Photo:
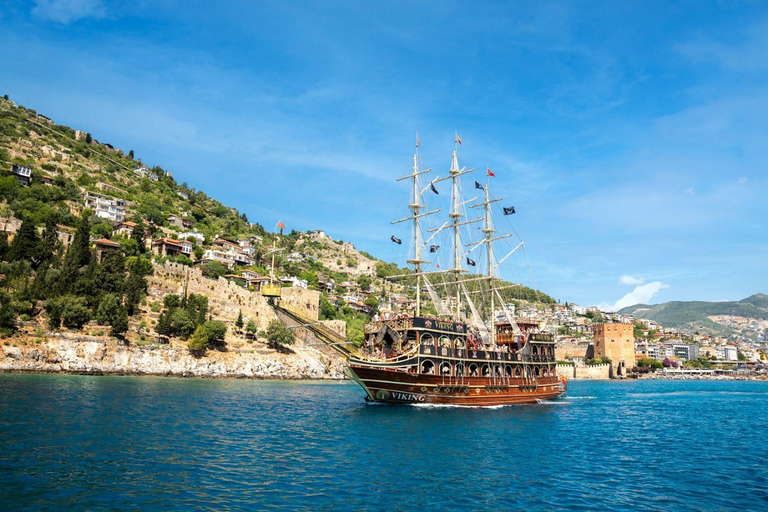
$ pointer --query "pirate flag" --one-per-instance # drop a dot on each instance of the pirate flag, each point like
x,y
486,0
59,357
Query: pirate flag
x,y
509,211
470,262
433,248
432,186
396,240
477,185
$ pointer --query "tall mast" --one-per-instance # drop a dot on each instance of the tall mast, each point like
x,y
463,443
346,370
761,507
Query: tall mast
x,y
489,239
488,230
416,207
455,215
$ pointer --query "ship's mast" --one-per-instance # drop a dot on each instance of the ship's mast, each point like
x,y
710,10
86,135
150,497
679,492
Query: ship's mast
x,y
488,241
455,215
488,230
416,207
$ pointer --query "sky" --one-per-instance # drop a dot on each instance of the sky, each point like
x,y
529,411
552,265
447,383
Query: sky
x,y
630,136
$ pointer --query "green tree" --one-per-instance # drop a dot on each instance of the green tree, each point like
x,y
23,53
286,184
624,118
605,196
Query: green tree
x,y
364,282
78,255
107,309
130,154
49,244
208,334
182,324
278,335
4,246
88,138
137,234
327,310
251,327
135,289
111,272
119,323
239,322
372,302
74,312
7,314
24,244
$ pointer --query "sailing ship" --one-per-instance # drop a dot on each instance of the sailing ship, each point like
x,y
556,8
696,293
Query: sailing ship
x,y
464,355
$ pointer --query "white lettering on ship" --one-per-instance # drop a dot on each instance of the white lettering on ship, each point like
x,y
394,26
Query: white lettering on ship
x,y
408,396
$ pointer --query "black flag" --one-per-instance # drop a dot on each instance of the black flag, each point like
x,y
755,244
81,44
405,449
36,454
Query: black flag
x,y
509,211
470,262
433,248
477,185
396,240
432,186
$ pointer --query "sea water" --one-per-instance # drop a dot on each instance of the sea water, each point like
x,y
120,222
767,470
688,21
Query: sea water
x,y
115,443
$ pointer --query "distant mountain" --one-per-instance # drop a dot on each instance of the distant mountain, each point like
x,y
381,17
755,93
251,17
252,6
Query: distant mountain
x,y
694,314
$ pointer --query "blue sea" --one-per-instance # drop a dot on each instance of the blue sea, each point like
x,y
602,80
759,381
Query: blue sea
x,y
128,443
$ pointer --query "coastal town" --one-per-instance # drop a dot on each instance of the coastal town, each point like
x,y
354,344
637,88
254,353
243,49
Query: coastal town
x,y
331,280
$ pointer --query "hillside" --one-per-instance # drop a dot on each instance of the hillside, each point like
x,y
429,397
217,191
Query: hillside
x,y
696,314
62,188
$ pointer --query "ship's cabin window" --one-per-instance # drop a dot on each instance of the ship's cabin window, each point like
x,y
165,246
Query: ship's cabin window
x,y
428,367
536,371
535,350
445,369
459,343
473,370
508,371
517,371
444,341
427,339
460,370
486,370
497,371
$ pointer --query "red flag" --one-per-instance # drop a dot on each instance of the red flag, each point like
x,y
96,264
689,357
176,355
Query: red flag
x,y
490,173
418,142
280,224
458,139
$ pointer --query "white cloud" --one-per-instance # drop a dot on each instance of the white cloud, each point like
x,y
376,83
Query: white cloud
x,y
67,11
741,180
625,279
640,295
689,191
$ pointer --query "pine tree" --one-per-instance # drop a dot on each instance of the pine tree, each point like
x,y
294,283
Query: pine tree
x,y
239,322
48,245
3,246
24,243
138,235
111,273
79,253
119,322
130,154
163,326
135,289
88,138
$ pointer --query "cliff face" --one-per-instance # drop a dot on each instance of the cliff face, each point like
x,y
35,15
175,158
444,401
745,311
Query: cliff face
x,y
92,355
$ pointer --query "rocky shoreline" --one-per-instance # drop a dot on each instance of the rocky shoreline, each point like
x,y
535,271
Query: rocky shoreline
x,y
91,355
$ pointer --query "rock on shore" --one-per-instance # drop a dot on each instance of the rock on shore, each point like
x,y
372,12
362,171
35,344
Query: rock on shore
x,y
94,355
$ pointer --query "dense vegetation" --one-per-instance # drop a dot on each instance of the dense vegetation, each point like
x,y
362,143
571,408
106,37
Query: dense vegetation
x,y
73,286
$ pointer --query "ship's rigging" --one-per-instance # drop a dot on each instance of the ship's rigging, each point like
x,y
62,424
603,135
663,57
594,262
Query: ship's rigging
x,y
455,292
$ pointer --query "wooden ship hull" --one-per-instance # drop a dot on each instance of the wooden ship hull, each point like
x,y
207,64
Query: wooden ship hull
x,y
395,387
423,361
